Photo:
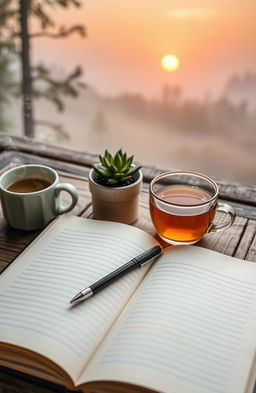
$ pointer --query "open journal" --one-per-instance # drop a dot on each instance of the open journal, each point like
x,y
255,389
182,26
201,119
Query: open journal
x,y
185,324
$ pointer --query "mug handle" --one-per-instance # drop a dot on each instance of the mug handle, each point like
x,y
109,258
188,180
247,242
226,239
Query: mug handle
x,y
71,190
225,208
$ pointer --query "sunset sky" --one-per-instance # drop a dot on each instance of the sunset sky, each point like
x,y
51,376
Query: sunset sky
x,y
127,39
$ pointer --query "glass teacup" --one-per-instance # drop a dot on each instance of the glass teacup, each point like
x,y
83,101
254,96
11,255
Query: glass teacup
x,y
183,207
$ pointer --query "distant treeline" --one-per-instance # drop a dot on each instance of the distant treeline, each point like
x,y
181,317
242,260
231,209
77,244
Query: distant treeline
x,y
242,85
223,115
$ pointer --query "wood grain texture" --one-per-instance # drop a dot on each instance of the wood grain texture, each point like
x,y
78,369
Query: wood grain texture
x,y
251,254
246,240
12,241
227,241
21,158
27,145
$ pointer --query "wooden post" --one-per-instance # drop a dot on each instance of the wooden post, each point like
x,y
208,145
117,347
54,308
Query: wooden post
x,y
28,124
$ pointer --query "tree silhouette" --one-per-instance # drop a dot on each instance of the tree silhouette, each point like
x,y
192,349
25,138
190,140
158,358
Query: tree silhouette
x,y
5,83
37,81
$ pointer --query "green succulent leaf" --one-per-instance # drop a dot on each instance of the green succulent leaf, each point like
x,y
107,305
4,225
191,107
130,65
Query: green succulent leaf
x,y
123,158
101,170
132,170
108,155
118,175
118,160
117,168
104,161
109,164
126,165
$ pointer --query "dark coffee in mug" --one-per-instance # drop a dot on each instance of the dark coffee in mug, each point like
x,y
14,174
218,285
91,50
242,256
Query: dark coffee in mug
x,y
30,184
30,196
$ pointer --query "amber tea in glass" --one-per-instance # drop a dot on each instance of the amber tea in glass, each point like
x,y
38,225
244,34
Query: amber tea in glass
x,y
183,206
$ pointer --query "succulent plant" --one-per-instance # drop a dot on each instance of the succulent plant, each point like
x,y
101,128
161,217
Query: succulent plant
x,y
115,170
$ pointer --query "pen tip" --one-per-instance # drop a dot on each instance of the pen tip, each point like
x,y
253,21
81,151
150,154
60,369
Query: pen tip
x,y
84,294
76,298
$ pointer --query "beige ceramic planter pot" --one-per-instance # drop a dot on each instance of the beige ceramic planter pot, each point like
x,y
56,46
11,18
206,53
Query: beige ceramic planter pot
x,y
119,204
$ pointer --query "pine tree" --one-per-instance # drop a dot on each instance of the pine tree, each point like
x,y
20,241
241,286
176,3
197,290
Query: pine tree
x,y
37,80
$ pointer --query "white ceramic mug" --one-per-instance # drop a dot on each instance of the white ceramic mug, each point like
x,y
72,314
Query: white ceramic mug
x,y
33,210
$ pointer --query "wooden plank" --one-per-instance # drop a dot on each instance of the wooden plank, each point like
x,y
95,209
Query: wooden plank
x,y
27,145
227,241
6,157
20,158
242,209
12,242
6,258
246,241
237,192
251,254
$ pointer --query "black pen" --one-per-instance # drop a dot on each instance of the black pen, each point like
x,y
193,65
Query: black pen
x,y
121,271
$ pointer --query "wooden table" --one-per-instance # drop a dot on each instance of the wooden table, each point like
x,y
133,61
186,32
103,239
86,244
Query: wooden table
x,y
73,167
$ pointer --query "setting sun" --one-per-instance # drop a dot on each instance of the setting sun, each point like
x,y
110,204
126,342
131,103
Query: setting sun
x,y
170,63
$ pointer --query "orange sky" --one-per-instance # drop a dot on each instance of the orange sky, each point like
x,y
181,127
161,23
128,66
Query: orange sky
x,y
126,40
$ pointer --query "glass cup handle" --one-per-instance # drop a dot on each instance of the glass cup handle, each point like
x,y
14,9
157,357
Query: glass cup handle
x,y
225,208
71,190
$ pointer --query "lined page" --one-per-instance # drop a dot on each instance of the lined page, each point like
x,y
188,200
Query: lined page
x,y
190,327
36,289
